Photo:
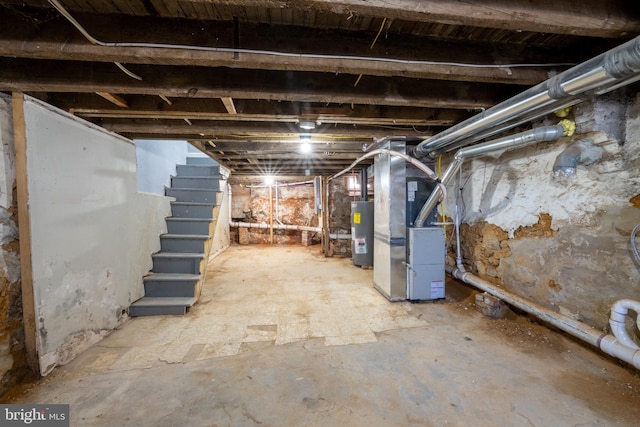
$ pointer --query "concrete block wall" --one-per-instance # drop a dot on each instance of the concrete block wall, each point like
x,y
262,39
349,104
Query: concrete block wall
x,y
563,242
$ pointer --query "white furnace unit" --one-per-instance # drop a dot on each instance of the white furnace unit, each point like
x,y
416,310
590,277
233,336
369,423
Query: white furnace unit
x,y
425,264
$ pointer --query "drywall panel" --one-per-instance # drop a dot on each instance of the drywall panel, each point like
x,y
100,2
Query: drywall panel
x,y
92,233
221,239
156,161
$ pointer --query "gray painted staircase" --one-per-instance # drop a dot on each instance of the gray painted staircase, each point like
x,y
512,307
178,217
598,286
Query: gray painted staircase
x,y
174,284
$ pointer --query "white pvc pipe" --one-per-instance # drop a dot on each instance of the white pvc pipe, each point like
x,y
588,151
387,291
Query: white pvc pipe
x,y
275,226
340,236
609,344
282,184
617,321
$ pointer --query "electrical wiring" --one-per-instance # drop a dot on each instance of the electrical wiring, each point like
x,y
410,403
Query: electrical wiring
x,y
634,246
97,42
415,162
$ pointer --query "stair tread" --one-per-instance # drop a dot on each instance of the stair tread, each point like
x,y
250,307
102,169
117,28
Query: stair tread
x,y
194,189
172,276
179,255
217,176
185,236
182,219
194,203
164,302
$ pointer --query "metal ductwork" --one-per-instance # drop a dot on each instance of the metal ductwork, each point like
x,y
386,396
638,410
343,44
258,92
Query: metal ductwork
x,y
582,152
547,133
611,70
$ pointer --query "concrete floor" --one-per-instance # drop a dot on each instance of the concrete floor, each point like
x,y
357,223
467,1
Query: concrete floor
x,y
285,337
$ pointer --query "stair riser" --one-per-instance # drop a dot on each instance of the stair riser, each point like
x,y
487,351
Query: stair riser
x,y
197,196
208,161
191,170
189,227
156,311
170,289
192,211
176,265
183,245
189,182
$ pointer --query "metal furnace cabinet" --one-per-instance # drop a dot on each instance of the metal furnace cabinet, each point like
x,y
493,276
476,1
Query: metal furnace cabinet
x,y
425,267
389,244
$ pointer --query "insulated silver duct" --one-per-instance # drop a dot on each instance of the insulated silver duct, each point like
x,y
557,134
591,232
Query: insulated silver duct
x,y
613,69
547,133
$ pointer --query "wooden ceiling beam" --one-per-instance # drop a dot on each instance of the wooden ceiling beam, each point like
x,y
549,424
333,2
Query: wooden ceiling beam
x,y
114,99
328,51
229,105
211,129
196,82
593,18
149,107
278,147
293,155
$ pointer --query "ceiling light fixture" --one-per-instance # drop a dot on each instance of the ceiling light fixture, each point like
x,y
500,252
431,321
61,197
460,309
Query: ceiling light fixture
x,y
307,125
305,147
268,180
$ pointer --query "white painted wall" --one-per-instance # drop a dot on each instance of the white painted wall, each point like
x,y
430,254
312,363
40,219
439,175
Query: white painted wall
x,y
511,189
92,233
221,239
157,160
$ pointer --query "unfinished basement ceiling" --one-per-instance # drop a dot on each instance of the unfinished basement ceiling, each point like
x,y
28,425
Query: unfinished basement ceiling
x,y
243,103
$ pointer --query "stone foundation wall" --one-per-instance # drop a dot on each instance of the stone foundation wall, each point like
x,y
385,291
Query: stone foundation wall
x,y
295,207
339,217
563,242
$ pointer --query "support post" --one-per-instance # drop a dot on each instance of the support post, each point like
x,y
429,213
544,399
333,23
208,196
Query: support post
x,y
26,268
271,214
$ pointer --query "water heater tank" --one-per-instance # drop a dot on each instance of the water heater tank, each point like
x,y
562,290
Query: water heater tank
x,y
362,233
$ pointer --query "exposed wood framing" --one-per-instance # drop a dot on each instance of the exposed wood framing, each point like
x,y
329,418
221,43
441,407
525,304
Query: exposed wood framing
x,y
228,104
26,268
115,99
594,18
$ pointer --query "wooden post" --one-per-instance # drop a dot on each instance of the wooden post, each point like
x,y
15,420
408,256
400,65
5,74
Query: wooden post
x,y
271,213
325,216
26,271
